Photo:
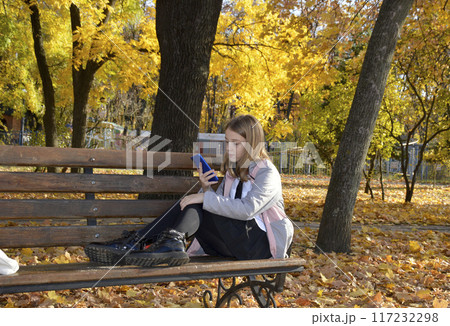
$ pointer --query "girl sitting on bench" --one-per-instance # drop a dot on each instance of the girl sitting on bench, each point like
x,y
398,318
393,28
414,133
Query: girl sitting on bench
x,y
244,218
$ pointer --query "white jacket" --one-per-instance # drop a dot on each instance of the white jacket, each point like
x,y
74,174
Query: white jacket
x,y
265,199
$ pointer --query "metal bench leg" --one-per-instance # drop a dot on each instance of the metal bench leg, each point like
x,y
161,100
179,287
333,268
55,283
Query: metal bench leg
x,y
263,292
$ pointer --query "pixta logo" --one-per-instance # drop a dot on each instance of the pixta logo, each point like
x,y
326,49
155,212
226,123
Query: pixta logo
x,y
141,150
310,155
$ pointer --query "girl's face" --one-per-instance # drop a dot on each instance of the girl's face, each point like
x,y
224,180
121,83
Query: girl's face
x,y
234,145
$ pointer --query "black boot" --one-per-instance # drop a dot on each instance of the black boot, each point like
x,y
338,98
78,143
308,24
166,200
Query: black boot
x,y
169,249
112,252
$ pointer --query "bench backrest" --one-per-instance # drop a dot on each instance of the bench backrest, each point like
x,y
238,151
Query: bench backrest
x,y
79,208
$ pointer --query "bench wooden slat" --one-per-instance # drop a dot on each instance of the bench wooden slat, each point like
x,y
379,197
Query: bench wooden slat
x,y
88,274
84,157
100,183
60,236
59,208
96,158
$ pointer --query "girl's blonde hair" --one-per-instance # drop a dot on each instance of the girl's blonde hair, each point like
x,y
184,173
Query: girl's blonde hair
x,y
249,128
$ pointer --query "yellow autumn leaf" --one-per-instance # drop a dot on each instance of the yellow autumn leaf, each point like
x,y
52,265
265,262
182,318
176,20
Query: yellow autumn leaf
x,y
414,246
55,297
364,228
326,280
10,303
440,303
142,302
424,294
384,266
390,286
131,293
27,252
62,259
357,293
389,274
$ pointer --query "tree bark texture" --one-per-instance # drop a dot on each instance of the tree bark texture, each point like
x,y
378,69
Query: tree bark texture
x,y
335,226
51,139
185,31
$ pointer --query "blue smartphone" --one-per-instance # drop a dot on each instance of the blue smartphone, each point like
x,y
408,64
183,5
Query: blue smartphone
x,y
205,167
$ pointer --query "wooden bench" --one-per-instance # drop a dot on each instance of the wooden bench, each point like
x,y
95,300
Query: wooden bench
x,y
84,211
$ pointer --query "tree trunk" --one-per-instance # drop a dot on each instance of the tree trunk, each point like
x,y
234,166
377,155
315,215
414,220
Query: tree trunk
x,y
410,191
368,188
185,32
51,139
289,107
82,83
82,78
211,106
335,227
381,175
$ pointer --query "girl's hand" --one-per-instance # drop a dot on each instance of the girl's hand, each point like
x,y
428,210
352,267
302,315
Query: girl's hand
x,y
192,199
204,178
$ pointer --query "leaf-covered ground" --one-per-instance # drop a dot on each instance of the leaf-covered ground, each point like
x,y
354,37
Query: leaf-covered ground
x,y
387,268
305,198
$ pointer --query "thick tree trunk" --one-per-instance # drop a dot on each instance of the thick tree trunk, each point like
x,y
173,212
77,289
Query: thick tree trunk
x,y
51,139
185,31
335,227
